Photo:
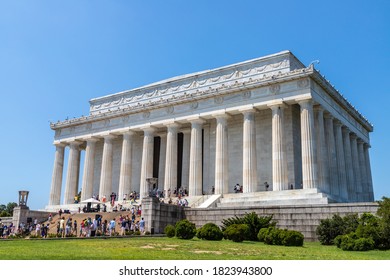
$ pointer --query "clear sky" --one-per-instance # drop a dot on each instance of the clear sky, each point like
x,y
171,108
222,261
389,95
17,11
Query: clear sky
x,y
57,55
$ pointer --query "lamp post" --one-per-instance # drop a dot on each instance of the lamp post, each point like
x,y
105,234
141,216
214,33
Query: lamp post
x,y
151,182
23,196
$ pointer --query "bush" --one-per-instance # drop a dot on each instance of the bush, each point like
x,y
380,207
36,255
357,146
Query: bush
x,y
263,233
210,231
236,232
329,229
185,229
254,222
169,231
293,238
275,236
352,242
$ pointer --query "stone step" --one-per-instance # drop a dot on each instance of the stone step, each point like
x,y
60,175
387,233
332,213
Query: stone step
x,y
267,198
271,194
299,201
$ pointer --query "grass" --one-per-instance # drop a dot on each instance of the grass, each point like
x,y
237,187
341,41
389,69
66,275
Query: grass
x,y
163,248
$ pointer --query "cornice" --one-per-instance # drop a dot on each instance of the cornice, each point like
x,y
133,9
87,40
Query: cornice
x,y
195,95
341,100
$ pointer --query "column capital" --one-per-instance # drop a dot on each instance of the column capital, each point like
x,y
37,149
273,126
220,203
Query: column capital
x,y
75,143
328,115
304,101
128,132
221,115
367,145
276,105
108,137
196,120
60,144
91,139
171,124
346,129
353,136
148,129
337,123
318,108
360,141
247,109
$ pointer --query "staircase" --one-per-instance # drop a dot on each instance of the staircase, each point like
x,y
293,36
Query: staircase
x,y
275,198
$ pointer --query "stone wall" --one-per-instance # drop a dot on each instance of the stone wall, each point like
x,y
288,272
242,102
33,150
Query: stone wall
x,y
21,214
301,218
158,215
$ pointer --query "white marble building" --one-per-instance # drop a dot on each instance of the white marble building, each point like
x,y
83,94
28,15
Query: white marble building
x,y
269,119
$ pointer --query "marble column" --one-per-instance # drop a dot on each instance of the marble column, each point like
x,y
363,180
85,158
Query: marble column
x,y
357,190
370,190
195,173
349,164
161,163
309,152
322,153
89,166
126,165
279,181
249,176
72,174
363,170
170,181
186,157
147,161
332,160
340,161
221,155
56,179
106,170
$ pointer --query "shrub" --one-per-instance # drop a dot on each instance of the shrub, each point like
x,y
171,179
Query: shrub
x,y
147,233
275,236
329,229
254,222
293,238
236,232
210,231
169,231
364,244
352,242
185,229
263,233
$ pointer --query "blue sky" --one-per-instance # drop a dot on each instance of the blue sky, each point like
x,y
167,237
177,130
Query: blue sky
x,y
57,55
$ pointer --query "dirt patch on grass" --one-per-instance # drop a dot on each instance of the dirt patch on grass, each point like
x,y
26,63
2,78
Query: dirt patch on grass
x,y
147,247
207,252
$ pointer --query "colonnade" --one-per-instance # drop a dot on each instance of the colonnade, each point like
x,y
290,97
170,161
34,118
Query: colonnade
x,y
333,159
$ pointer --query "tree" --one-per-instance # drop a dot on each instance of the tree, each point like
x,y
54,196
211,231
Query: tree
x,y
7,211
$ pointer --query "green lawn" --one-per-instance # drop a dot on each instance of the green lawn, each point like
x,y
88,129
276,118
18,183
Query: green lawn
x,y
163,248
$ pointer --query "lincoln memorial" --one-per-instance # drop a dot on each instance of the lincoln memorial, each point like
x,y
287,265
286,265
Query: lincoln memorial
x,y
272,125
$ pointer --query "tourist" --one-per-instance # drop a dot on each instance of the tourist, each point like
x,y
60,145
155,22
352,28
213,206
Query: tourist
x,y
112,226
50,218
142,226
60,212
104,227
68,227
38,229
123,227
62,227
74,231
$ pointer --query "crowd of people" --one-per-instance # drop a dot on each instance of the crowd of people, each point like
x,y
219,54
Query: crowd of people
x,y
90,227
